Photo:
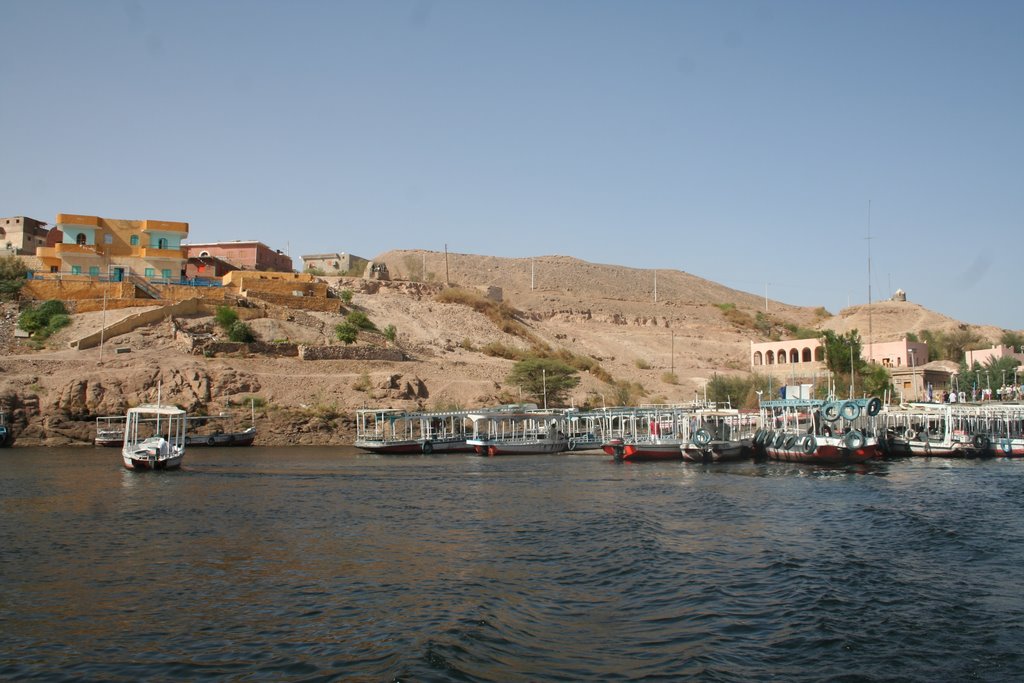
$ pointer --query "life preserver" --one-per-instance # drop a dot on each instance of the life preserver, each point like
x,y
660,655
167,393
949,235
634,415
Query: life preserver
x,y
910,434
810,444
874,406
830,411
702,437
981,442
428,448
850,410
210,441
854,440
1007,446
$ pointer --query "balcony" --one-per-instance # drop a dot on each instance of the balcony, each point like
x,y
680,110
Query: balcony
x,y
64,248
154,253
164,226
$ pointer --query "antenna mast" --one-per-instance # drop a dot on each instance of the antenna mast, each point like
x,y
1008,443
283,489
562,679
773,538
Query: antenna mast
x,y
870,354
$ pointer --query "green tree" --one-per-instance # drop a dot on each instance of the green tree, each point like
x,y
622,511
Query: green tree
x,y
346,332
225,317
241,332
840,350
12,276
540,377
1013,339
360,320
876,380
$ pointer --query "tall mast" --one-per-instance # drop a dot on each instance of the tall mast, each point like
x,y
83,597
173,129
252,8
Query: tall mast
x,y
870,355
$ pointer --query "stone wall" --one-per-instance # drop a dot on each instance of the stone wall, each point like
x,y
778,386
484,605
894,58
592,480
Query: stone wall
x,y
350,353
305,303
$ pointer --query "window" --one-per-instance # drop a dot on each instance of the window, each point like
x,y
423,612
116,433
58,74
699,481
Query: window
x,y
166,272
108,238
161,243
134,240
76,270
150,272
80,239
94,271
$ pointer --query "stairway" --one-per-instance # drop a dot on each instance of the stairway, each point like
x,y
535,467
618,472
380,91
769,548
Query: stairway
x,y
142,285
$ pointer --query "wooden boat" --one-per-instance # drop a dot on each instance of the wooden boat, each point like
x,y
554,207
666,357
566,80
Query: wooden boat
x,y
510,432
154,437
110,431
397,432
819,432
209,430
722,436
649,433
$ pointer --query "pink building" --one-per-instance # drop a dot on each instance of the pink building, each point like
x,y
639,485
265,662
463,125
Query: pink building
x,y
984,356
807,356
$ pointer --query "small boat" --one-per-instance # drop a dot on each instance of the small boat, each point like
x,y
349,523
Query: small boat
x,y
6,434
154,437
649,433
110,431
510,432
819,432
398,432
217,435
723,435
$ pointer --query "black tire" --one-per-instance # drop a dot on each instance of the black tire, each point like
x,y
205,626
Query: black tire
x,y
780,439
850,410
702,437
810,444
427,448
874,406
830,411
854,440
188,440
572,444
210,441
981,442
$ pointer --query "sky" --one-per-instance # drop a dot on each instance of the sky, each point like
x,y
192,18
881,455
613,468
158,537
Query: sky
x,y
756,144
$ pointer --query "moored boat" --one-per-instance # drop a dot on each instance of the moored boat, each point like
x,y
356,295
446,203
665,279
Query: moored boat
x,y
6,433
721,436
398,432
819,432
511,432
154,437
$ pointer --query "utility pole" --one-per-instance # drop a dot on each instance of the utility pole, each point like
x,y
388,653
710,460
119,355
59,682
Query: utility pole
x,y
870,340
447,281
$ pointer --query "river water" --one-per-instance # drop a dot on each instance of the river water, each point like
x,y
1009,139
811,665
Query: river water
x,y
328,564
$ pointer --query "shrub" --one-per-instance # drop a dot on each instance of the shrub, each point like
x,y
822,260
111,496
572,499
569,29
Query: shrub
x,y
346,332
12,276
499,350
362,383
642,364
670,378
39,321
360,321
390,333
241,332
226,317
346,295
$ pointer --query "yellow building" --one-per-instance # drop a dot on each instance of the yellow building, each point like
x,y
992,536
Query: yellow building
x,y
115,249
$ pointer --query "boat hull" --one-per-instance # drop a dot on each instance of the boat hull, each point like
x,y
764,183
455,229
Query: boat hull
x,y
825,454
243,438
720,451
644,451
140,463
495,448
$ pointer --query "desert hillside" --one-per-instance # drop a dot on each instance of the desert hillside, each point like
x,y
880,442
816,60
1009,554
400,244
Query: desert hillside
x,y
669,347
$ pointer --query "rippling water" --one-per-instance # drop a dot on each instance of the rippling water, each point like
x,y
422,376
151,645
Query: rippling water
x,y
326,564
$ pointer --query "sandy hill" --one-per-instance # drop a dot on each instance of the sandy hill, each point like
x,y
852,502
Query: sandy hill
x,y
669,347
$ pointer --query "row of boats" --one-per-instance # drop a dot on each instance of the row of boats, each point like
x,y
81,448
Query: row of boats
x,y
828,432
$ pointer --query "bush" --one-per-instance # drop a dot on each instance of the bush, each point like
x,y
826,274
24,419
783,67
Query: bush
x,y
44,319
670,378
642,364
346,332
390,333
12,276
346,295
226,317
363,383
360,321
240,332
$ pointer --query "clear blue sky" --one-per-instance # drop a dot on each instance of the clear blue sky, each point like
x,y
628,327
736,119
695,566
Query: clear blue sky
x,y
739,141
